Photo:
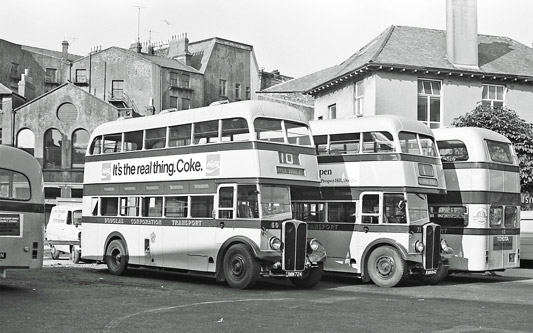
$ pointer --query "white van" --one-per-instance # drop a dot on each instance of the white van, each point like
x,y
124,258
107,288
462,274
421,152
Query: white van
x,y
63,231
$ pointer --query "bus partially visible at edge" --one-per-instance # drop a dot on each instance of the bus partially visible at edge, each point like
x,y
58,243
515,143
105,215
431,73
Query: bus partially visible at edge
x,y
205,191
480,214
371,211
22,216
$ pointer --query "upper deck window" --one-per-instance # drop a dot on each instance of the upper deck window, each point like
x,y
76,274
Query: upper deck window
x,y
452,150
321,144
205,132
235,129
417,144
297,133
112,143
268,130
179,135
347,143
377,142
156,138
500,152
133,141
14,185
428,146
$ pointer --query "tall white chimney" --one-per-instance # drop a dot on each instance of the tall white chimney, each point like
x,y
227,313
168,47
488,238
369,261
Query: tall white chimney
x,y
461,32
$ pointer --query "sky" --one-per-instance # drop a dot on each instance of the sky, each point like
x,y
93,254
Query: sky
x,y
296,37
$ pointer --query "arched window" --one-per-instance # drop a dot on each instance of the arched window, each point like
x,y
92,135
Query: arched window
x,y
80,138
52,149
26,140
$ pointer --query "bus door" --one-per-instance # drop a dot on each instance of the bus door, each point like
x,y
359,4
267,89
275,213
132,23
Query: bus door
x,y
369,216
503,246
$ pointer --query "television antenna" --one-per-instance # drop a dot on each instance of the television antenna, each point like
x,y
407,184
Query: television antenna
x,y
139,22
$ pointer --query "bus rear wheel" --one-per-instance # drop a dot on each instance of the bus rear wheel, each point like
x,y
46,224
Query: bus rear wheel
x,y
311,277
116,257
241,269
386,267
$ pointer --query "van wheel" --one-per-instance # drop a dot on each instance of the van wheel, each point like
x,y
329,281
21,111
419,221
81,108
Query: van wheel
x,y
116,257
54,253
75,255
241,269
386,267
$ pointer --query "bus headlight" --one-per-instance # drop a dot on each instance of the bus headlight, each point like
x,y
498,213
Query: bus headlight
x,y
447,251
275,243
315,245
419,246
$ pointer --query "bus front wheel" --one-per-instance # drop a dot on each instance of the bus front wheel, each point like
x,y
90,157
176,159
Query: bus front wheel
x,y
386,267
241,269
311,277
116,258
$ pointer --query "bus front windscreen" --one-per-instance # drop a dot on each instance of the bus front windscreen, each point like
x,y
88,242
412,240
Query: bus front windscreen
x,y
417,205
275,201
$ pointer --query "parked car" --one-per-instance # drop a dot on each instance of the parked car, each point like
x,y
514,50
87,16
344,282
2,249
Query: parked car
x,y
63,231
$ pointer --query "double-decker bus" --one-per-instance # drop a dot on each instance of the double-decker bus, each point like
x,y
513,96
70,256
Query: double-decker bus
x,y
479,215
203,190
22,215
371,210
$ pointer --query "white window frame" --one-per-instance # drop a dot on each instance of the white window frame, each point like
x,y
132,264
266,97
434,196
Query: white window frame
x,y
332,111
358,98
223,88
428,96
493,89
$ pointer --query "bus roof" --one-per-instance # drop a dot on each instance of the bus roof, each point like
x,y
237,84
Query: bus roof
x,y
473,138
468,134
246,109
390,123
16,159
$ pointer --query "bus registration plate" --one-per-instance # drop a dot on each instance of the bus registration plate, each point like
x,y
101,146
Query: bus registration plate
x,y
294,274
430,272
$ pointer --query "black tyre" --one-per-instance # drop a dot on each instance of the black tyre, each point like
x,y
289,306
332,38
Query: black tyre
x,y
311,277
116,257
75,255
442,273
54,253
386,267
241,269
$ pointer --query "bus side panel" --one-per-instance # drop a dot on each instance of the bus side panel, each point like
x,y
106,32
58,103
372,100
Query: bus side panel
x,y
26,249
338,249
470,252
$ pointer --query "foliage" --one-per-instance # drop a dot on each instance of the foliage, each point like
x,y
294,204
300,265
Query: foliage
x,y
506,122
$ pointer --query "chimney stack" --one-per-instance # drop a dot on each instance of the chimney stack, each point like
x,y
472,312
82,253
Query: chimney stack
x,y
65,50
461,33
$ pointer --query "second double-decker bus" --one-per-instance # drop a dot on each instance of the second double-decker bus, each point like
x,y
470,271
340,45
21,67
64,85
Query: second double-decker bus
x,y
479,215
204,190
22,215
371,210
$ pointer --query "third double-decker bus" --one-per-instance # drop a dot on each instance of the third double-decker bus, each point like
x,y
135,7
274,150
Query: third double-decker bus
x,y
204,190
21,211
479,215
371,210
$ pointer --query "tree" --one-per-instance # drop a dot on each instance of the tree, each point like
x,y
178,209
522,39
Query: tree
x,y
506,122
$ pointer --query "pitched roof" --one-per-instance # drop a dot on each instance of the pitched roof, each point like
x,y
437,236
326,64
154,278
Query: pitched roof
x,y
303,83
5,90
425,49
156,59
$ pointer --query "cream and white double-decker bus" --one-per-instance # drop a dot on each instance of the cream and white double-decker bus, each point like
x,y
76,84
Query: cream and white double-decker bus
x,y
479,215
371,210
204,190
22,215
